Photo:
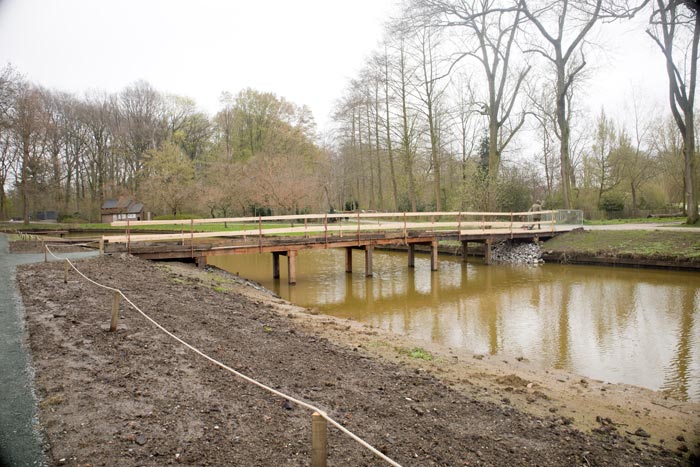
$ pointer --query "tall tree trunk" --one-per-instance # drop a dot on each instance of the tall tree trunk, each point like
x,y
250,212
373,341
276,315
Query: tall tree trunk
x,y
23,186
377,148
389,149
681,93
372,199
406,133
408,154
435,156
689,137
563,124
494,163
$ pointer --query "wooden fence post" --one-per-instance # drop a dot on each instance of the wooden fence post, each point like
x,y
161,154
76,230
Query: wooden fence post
x,y
102,246
65,272
292,267
115,312
46,259
319,440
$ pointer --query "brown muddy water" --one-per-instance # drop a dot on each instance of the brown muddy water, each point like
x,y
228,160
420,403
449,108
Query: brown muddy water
x,y
633,326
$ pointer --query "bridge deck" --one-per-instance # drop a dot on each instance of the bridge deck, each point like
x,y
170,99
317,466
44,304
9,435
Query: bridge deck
x,y
359,231
186,247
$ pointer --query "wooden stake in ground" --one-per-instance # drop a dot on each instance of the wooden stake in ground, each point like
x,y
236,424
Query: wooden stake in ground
x,y
319,441
65,271
115,312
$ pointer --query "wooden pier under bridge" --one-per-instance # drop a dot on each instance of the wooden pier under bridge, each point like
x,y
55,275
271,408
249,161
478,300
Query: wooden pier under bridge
x,y
351,231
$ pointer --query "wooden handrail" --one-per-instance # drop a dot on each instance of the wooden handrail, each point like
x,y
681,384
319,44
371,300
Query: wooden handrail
x,y
319,217
460,227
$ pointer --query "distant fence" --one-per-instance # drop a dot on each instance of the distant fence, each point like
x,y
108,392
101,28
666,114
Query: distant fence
x,y
568,217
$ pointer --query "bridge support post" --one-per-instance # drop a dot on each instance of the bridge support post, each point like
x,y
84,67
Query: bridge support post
x,y
201,262
487,251
348,259
275,265
411,255
369,249
434,256
292,267
465,251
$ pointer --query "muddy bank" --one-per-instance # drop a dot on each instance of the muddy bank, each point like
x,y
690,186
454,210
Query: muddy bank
x,y
136,397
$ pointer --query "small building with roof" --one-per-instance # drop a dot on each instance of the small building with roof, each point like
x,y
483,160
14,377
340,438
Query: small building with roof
x,y
122,209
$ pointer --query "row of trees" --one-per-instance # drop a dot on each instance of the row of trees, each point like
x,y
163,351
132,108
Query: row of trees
x,y
433,119
60,152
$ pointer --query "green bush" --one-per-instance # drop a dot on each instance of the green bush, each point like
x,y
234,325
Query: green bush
x,y
71,220
612,202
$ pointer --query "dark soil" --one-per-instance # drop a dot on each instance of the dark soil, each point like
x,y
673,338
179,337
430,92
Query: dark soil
x,y
136,397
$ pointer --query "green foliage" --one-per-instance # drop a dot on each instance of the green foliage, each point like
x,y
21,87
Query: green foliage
x,y
179,216
253,122
263,211
612,202
514,195
484,155
351,205
418,353
171,182
653,197
636,220
71,219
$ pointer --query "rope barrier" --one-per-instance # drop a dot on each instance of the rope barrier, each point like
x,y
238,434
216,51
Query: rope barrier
x,y
311,407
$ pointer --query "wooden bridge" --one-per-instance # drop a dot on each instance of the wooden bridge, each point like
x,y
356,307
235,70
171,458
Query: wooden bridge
x,y
351,231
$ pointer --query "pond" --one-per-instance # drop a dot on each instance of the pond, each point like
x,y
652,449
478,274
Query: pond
x,y
634,326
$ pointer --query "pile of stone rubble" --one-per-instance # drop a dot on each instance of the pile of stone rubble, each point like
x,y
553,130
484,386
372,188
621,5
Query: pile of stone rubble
x,y
517,253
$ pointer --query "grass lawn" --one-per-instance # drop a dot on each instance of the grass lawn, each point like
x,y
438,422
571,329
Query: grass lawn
x,y
639,220
635,243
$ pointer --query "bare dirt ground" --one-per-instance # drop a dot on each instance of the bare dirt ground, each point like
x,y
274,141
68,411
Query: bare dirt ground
x,y
136,397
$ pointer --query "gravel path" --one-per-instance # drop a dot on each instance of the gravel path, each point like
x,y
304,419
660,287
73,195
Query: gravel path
x,y
20,445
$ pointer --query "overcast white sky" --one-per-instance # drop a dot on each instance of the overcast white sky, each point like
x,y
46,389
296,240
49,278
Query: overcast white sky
x,y
304,50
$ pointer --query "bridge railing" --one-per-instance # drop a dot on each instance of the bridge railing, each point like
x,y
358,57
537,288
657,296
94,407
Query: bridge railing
x,y
345,224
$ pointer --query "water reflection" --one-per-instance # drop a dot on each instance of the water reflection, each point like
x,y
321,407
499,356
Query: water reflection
x,y
620,325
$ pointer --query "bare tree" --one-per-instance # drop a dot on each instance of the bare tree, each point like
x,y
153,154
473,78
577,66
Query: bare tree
x,y
606,169
27,122
143,126
668,146
99,116
675,28
9,83
468,131
491,28
405,74
384,60
430,92
637,162
573,19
